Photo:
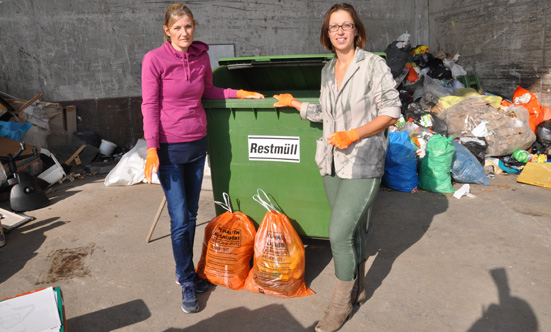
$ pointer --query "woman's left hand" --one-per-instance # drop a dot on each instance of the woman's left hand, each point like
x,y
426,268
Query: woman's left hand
x,y
342,139
242,94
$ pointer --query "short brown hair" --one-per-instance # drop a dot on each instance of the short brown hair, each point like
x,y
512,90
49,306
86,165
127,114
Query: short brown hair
x,y
361,37
174,12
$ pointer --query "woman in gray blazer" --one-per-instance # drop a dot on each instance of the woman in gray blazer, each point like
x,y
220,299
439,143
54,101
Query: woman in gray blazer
x,y
358,102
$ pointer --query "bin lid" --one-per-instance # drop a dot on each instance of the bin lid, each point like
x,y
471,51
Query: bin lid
x,y
275,60
279,60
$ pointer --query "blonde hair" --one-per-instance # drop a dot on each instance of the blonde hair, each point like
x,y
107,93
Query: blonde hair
x,y
173,13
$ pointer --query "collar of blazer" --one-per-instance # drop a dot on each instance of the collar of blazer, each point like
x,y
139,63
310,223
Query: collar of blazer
x,y
359,56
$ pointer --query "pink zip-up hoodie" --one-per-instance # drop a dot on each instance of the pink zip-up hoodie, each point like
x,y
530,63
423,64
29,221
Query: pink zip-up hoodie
x,y
173,83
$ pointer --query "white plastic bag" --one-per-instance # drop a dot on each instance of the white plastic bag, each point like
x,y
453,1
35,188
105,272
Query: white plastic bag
x,y
3,176
456,69
129,170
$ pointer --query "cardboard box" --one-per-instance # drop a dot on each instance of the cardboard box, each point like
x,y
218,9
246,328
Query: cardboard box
x,y
70,116
10,146
57,120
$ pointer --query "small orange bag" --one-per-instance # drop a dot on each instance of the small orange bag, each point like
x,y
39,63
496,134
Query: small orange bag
x,y
279,258
227,248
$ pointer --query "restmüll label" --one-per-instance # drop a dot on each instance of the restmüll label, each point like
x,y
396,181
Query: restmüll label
x,y
274,148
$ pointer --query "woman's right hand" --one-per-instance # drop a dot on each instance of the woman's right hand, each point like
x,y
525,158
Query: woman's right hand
x,y
243,94
151,164
284,100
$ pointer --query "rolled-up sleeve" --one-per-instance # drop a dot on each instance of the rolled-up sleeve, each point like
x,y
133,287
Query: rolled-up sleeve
x,y
312,112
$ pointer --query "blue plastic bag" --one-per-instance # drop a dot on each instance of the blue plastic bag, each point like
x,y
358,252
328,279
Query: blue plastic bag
x,y
466,168
400,163
14,130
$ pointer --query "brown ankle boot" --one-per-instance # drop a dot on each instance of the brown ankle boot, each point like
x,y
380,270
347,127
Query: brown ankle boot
x,y
340,308
359,296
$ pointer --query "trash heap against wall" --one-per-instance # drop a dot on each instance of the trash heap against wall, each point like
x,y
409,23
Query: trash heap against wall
x,y
457,131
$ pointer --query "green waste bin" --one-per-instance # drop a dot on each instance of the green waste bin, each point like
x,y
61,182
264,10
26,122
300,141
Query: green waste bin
x,y
253,145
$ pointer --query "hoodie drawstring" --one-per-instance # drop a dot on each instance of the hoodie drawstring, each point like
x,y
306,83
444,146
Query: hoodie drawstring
x,y
186,67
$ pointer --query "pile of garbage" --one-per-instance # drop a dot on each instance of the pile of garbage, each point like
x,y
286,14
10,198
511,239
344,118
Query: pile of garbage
x,y
40,146
451,130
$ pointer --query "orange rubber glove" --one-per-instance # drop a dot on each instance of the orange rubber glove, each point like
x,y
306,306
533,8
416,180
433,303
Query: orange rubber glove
x,y
284,100
242,94
151,164
342,139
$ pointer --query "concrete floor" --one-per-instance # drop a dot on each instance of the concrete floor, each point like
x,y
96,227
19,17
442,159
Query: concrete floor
x,y
437,264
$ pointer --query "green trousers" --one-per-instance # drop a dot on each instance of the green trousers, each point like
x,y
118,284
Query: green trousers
x,y
350,200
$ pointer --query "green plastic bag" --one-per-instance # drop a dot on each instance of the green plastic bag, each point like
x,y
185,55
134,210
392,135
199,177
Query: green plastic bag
x,y
435,171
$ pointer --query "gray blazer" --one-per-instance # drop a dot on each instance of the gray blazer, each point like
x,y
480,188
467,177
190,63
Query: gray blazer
x,y
367,91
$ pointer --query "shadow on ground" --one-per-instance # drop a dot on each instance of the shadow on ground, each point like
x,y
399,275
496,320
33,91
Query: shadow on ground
x,y
511,314
274,317
399,220
22,244
111,319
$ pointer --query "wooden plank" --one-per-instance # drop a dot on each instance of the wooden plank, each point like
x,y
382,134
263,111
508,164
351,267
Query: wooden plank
x,y
21,101
75,155
28,103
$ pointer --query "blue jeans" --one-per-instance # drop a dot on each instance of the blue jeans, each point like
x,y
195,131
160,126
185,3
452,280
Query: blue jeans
x,y
181,174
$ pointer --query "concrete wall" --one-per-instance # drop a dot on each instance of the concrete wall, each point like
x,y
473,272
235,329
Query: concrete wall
x,y
506,42
89,53
75,50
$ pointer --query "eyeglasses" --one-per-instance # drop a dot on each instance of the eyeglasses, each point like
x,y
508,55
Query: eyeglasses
x,y
344,26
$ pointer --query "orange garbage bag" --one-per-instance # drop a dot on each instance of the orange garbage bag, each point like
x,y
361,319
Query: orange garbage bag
x,y
227,249
279,258
546,114
412,76
527,99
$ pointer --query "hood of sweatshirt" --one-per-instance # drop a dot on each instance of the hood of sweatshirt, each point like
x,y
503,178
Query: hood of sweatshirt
x,y
195,50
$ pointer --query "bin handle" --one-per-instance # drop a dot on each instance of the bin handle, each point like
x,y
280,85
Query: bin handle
x,y
267,203
227,203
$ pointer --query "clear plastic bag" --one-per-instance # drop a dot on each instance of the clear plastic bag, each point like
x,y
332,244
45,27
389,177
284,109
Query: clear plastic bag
x,y
435,88
473,117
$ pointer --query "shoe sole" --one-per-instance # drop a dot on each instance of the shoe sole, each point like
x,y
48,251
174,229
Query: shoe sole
x,y
196,309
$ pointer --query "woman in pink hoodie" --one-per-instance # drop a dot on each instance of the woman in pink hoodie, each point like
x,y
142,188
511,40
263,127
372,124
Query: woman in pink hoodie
x,y
175,77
